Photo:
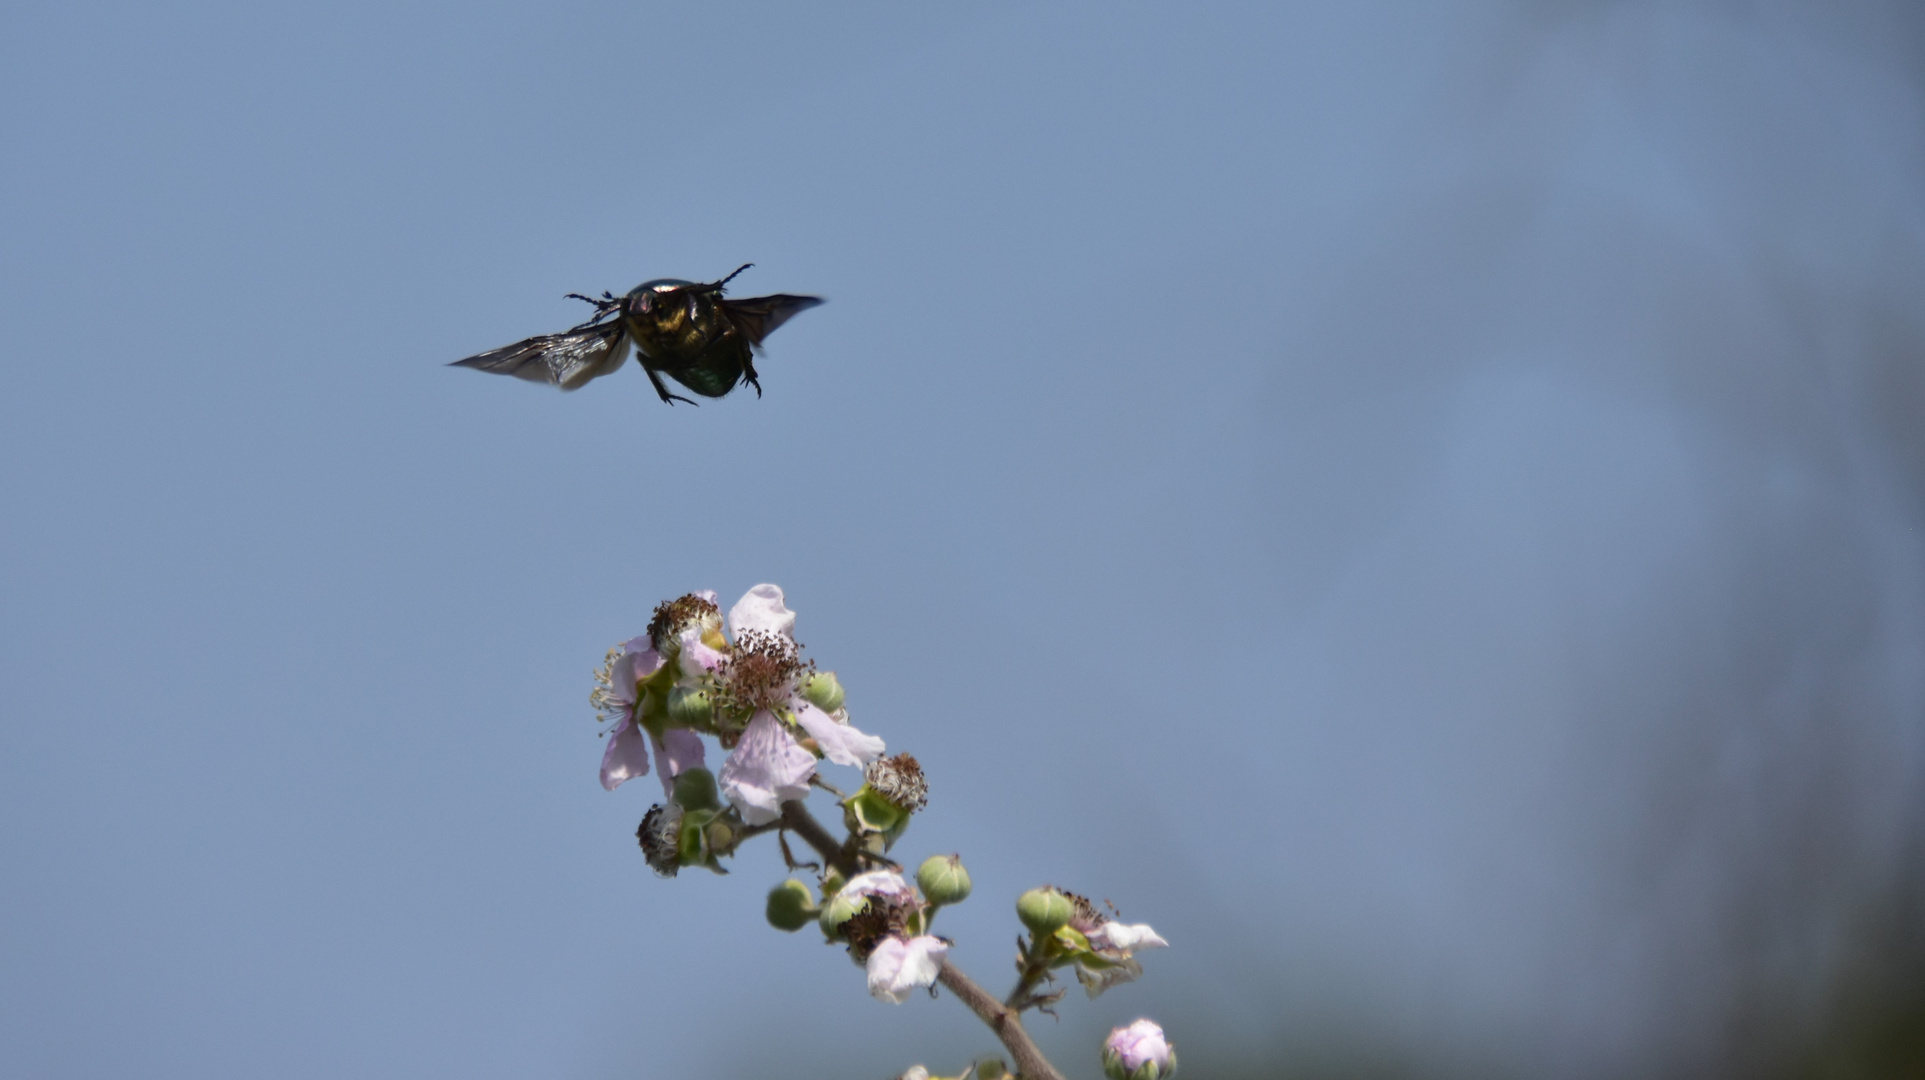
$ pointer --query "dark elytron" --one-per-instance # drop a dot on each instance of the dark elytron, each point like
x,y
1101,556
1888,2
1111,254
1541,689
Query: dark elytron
x,y
681,329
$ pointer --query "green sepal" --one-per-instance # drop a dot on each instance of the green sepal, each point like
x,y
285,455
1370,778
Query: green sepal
x,y
692,842
695,790
867,811
652,710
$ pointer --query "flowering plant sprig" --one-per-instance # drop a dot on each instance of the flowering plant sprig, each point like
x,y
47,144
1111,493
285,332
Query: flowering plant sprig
x,y
778,718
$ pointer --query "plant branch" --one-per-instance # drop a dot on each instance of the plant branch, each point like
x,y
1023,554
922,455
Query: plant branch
x,y
1003,1020
797,819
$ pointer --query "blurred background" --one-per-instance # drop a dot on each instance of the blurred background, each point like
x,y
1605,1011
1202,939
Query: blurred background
x,y
1423,505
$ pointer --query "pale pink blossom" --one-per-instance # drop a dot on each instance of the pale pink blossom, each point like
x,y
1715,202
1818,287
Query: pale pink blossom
x,y
626,755
766,769
898,967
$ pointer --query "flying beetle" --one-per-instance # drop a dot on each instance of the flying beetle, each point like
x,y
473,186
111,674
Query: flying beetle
x,y
682,329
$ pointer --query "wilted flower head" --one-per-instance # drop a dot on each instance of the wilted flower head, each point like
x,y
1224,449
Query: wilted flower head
x,y
900,780
696,611
660,836
1138,1052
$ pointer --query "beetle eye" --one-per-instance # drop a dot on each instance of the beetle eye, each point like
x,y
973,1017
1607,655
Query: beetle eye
x,y
642,304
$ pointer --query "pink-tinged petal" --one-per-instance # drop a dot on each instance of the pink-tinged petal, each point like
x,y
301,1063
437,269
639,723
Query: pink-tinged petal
x,y
884,883
1126,938
678,750
767,768
1141,1042
632,667
709,595
696,657
897,967
626,756
840,742
761,608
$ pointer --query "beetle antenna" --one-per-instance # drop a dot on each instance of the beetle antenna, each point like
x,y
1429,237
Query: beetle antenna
x,y
731,277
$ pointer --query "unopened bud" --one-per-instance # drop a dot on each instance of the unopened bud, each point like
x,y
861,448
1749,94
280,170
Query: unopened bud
x,y
991,1069
1044,910
943,880
1138,1052
695,790
824,691
791,906
689,707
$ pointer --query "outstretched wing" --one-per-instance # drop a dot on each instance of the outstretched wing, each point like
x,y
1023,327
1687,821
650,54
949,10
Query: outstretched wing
x,y
757,317
565,360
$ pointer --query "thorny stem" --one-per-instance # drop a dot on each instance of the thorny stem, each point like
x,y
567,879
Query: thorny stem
x,y
1003,1020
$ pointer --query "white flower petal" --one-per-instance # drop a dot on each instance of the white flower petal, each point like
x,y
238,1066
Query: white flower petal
x,y
638,661
884,883
1126,938
626,756
767,768
897,967
761,608
840,741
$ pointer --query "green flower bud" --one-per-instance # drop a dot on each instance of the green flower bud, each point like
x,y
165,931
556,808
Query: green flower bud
x,y
839,910
943,880
791,906
832,882
1044,910
823,691
695,790
689,708
991,1069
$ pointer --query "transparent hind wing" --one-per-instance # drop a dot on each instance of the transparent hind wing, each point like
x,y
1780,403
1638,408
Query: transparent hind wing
x,y
568,361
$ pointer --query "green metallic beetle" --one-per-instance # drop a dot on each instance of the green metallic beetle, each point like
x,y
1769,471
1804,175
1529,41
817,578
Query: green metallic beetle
x,y
681,329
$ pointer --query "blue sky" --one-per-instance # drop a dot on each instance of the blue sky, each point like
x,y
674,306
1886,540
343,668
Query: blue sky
x,y
1413,503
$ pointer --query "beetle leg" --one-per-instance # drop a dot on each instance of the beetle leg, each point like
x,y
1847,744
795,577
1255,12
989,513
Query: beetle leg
x,y
663,390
